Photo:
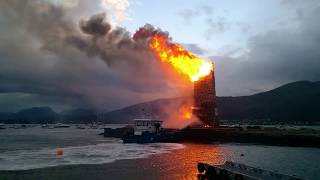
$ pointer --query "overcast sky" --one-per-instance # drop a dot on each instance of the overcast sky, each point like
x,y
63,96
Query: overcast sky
x,y
255,45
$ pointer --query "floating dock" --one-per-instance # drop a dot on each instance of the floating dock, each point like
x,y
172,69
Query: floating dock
x,y
236,171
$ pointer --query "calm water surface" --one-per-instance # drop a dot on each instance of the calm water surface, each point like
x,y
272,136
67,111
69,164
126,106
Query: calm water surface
x,y
33,148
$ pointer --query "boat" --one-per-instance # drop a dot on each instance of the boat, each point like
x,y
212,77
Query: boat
x,y
145,131
20,126
93,126
46,126
2,126
60,125
231,170
80,126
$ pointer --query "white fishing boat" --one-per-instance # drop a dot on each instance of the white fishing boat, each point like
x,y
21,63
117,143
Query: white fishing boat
x,y
2,126
60,125
145,131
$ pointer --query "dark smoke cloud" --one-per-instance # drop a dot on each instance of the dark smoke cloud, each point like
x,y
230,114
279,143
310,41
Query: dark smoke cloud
x,y
96,25
148,31
48,55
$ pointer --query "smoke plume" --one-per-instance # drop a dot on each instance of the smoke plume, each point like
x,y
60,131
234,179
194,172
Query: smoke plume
x,y
48,53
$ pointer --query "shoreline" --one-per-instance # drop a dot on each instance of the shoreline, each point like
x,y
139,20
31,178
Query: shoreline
x,y
175,164
267,136
137,168
112,170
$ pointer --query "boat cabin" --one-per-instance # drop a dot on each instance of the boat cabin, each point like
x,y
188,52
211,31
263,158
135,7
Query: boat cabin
x,y
146,125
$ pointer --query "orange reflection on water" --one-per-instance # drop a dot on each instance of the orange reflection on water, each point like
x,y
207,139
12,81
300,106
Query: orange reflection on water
x,y
182,163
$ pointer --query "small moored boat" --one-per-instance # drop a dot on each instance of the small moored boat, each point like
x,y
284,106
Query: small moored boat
x,y
60,125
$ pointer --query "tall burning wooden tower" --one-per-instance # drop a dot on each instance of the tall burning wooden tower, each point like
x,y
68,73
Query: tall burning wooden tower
x,y
204,106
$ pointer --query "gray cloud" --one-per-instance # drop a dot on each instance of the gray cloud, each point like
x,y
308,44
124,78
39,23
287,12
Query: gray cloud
x,y
214,24
245,27
194,48
274,58
188,15
207,10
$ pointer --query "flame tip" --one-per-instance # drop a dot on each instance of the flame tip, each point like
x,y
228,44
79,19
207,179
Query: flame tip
x,y
181,59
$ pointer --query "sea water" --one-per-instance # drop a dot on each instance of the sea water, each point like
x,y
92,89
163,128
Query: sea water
x,y
35,147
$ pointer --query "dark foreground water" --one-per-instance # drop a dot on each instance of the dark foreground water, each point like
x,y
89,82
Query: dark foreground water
x,y
31,154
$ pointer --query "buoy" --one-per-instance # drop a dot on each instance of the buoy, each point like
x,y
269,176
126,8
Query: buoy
x,y
59,152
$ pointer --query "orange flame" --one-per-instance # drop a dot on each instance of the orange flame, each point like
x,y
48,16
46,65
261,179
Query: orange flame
x,y
182,60
186,112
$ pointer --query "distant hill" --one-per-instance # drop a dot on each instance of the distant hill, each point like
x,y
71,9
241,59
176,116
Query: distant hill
x,y
45,115
78,116
157,108
297,102
36,115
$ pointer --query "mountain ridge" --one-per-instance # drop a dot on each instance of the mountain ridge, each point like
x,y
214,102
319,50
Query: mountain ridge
x,y
292,103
